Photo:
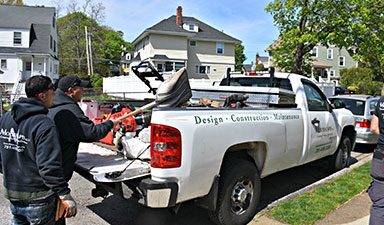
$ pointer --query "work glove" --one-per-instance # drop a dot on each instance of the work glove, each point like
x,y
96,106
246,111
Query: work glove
x,y
69,204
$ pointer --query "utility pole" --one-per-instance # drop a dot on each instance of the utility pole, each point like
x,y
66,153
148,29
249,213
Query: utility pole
x,y
87,50
90,52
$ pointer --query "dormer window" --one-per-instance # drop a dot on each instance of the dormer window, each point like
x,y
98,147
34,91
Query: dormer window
x,y
220,48
191,26
192,43
17,38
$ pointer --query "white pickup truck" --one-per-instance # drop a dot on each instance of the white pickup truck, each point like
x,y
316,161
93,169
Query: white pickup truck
x,y
217,156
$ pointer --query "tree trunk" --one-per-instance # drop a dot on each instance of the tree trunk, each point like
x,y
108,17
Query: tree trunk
x,y
298,60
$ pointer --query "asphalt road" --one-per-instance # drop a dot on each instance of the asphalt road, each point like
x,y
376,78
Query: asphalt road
x,y
116,211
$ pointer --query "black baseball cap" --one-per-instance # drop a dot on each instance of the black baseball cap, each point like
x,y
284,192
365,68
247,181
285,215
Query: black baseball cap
x,y
71,81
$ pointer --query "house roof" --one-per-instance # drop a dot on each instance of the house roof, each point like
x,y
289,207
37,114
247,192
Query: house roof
x,y
12,16
319,64
41,38
169,26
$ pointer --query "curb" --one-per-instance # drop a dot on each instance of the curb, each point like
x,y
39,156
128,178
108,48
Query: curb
x,y
311,187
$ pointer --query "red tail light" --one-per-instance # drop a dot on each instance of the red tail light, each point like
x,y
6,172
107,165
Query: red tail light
x,y
165,146
363,124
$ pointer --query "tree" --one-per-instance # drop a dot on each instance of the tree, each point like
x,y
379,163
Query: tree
x,y
107,44
11,2
367,34
239,56
302,25
362,80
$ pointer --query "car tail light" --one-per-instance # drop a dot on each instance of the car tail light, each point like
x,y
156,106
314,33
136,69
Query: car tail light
x,y
363,124
165,146
346,92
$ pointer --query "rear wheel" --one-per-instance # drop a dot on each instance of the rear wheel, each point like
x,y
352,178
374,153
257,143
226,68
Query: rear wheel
x,y
340,159
239,193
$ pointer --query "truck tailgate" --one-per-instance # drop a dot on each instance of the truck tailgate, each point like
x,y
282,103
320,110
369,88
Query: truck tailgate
x,y
98,161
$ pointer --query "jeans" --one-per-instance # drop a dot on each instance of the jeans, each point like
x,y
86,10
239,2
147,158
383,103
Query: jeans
x,y
34,211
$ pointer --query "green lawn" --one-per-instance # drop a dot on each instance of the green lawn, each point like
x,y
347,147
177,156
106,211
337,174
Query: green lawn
x,y
315,204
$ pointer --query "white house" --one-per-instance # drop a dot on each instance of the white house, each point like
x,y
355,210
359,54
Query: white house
x,y
28,45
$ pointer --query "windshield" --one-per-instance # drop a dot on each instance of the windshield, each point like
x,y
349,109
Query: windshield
x,y
258,82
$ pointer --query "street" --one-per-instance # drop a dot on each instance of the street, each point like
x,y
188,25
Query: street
x,y
114,210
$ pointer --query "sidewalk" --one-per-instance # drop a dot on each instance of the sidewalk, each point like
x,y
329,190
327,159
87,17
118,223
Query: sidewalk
x,y
353,212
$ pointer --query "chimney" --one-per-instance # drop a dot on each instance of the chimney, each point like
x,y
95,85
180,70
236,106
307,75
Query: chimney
x,y
179,15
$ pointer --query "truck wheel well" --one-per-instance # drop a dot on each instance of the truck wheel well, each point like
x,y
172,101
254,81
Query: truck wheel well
x,y
350,132
254,152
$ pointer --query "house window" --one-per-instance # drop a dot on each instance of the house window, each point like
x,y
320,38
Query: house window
x,y
53,20
314,52
191,26
54,46
341,61
332,73
178,65
28,66
3,64
17,38
168,66
330,54
51,42
192,43
325,74
219,48
202,69
160,67
56,69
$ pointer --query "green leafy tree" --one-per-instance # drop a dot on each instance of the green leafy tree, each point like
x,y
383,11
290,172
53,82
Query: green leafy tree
x,y
302,25
107,46
368,34
239,56
362,80
259,67
11,2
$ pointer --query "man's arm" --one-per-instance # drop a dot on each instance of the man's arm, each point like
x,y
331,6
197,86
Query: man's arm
x,y
375,125
48,159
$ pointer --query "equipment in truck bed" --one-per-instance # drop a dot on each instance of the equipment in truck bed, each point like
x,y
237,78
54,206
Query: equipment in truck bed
x,y
145,69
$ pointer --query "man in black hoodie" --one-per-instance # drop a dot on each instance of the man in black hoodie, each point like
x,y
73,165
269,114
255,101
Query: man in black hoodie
x,y
73,126
31,157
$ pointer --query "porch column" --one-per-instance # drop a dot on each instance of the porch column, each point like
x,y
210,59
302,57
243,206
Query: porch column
x,y
45,65
32,65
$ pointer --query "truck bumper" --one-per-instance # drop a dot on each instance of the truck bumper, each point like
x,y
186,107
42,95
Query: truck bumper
x,y
158,194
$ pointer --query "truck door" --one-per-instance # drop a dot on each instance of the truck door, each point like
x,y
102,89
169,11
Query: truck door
x,y
322,123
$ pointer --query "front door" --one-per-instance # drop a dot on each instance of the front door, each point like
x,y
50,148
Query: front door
x,y
322,123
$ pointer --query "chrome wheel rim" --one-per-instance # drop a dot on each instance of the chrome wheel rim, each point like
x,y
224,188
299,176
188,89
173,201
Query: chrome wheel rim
x,y
242,194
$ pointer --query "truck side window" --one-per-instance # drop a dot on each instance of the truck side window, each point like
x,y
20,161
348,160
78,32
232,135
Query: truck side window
x,y
315,100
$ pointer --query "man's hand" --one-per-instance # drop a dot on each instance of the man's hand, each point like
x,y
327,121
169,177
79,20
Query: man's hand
x,y
115,122
69,204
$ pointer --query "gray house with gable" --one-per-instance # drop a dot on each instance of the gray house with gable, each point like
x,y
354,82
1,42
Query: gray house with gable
x,y
180,41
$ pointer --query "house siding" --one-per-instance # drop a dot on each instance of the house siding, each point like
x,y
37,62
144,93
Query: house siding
x,y
10,74
174,47
6,37
334,62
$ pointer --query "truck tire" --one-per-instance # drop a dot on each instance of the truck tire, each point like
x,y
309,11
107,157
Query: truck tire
x,y
239,193
340,159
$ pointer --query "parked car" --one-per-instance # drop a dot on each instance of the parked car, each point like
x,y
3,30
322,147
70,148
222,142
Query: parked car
x,y
362,107
343,91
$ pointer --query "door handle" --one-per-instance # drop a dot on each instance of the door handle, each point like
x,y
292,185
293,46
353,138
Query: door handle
x,y
315,120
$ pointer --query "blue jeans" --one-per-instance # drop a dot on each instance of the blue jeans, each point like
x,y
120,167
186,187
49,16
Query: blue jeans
x,y
34,211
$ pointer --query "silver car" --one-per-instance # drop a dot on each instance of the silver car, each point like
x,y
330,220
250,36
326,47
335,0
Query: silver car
x,y
362,107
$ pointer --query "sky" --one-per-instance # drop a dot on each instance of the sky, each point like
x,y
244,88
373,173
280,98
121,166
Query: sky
x,y
245,20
